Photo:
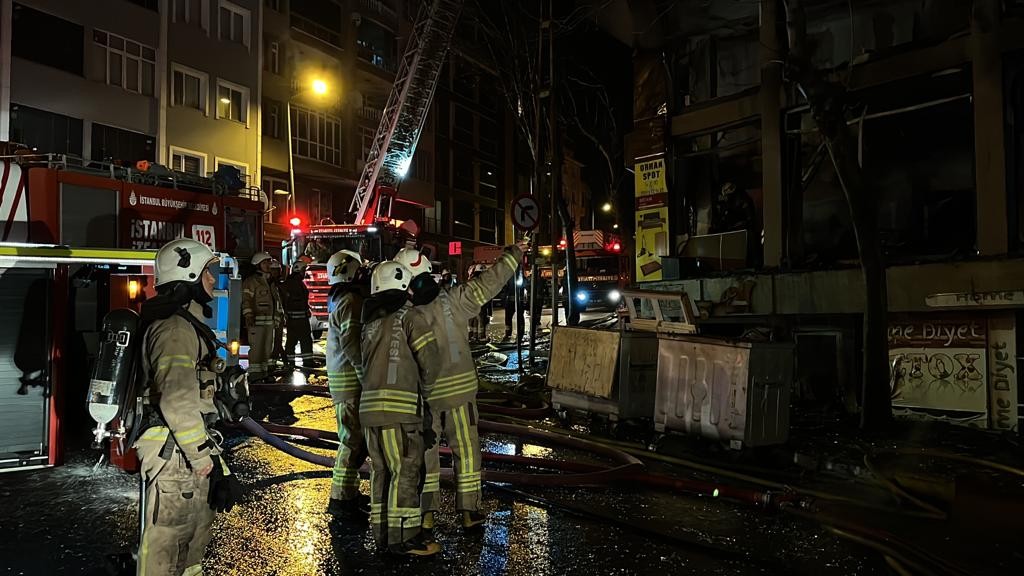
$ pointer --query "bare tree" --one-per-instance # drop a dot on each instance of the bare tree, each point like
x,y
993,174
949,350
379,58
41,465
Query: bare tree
x,y
827,101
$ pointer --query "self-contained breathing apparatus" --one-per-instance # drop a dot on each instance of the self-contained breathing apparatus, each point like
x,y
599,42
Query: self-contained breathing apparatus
x,y
114,389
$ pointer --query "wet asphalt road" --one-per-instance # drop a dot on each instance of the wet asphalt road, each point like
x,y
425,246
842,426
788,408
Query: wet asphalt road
x,y
66,520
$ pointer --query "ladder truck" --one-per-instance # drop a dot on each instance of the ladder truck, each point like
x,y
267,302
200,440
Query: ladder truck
x,y
372,233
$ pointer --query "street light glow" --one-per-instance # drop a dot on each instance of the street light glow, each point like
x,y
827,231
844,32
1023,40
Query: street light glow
x,y
319,87
403,167
607,207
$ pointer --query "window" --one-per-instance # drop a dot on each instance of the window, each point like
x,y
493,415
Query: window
x,y
316,135
234,23
243,168
462,127
232,102
46,131
488,183
188,88
488,225
462,224
366,136
188,161
274,5
272,61
280,201
111,144
192,12
422,166
47,40
462,172
130,65
272,119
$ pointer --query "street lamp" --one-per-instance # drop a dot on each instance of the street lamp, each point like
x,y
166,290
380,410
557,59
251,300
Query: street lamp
x,y
607,207
319,87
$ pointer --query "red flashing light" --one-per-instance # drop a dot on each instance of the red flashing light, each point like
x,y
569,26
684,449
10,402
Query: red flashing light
x,y
562,244
295,221
616,247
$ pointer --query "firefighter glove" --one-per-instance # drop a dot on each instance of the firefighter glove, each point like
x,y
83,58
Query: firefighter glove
x,y
225,490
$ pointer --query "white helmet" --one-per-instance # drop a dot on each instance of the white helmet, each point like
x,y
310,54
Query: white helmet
x,y
342,267
390,276
413,260
259,257
182,260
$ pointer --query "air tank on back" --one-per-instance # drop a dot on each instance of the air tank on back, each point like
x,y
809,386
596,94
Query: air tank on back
x,y
113,372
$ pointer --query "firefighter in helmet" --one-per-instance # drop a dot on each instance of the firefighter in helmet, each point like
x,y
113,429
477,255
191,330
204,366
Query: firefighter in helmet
x,y
259,314
181,467
401,363
344,373
296,310
452,402
276,281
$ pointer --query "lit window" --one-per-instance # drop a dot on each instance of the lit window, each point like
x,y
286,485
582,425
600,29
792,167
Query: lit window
x,y
232,102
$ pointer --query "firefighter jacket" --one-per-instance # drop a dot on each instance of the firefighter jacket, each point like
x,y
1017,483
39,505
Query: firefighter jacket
x,y
179,387
344,354
295,297
449,315
261,302
400,365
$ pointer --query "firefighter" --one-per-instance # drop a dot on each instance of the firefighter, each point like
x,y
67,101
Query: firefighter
x,y
295,299
181,466
259,314
400,363
344,372
452,402
514,308
276,282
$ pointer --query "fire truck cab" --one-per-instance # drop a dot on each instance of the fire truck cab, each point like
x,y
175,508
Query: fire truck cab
x,y
77,240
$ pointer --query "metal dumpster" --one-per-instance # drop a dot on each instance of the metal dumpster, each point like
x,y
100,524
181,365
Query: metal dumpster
x,y
736,392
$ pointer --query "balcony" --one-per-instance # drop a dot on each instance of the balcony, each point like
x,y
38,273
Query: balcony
x,y
379,11
370,113
312,28
376,59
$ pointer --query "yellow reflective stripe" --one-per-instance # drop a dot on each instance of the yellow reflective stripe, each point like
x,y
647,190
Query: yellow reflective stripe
x,y
393,459
450,391
478,294
432,482
191,435
510,260
389,394
423,341
155,433
464,376
385,406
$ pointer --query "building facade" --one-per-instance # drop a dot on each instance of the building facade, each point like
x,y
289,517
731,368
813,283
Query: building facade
x,y
170,81
932,91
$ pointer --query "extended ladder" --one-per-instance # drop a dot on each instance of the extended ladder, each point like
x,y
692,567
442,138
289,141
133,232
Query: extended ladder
x,y
402,120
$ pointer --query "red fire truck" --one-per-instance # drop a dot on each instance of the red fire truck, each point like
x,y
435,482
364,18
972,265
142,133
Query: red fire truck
x,y
77,239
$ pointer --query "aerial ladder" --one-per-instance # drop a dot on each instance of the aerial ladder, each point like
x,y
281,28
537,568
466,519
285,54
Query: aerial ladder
x,y
402,121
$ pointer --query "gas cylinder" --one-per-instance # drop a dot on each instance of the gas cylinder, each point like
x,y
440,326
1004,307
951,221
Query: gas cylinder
x,y
114,369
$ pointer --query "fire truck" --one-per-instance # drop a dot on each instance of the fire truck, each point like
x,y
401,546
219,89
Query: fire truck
x,y
602,271
77,239
371,231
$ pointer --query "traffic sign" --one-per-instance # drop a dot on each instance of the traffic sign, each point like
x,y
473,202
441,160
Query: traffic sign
x,y
525,212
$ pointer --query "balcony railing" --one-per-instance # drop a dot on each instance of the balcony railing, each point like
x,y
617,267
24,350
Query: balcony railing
x,y
379,60
370,113
377,7
303,24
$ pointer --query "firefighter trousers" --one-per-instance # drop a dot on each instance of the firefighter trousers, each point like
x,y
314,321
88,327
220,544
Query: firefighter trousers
x,y
298,333
178,516
396,477
261,345
460,429
351,451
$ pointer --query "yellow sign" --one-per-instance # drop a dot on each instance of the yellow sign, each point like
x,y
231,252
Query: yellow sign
x,y
651,219
650,178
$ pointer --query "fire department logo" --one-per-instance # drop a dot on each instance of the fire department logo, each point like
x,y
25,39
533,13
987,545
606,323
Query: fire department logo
x,y
132,200
214,209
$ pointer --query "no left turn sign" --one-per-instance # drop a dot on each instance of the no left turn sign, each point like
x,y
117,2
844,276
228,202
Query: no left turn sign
x,y
525,212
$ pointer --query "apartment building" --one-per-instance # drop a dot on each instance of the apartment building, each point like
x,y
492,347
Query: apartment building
x,y
171,81
933,89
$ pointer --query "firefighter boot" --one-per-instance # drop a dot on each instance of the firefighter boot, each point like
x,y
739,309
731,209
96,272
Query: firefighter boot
x,y
418,545
355,509
472,519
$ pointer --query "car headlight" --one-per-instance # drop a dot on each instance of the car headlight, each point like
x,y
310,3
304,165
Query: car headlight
x,y
614,296
581,296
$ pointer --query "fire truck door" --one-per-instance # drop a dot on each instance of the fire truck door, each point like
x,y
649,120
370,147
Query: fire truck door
x,y
24,363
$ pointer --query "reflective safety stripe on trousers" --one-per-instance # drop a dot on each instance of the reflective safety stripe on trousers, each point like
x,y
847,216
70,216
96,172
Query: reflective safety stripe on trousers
x,y
467,478
403,517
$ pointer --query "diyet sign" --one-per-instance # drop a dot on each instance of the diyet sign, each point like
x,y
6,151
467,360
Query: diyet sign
x,y
151,217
